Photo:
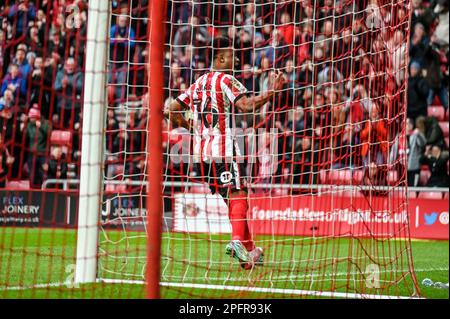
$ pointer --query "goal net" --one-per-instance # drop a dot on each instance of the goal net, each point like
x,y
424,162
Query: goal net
x,y
323,161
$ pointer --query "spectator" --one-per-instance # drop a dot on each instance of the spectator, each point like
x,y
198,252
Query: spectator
x,y
418,90
7,100
278,51
266,158
122,44
57,44
434,75
20,14
6,160
56,167
419,44
22,61
15,82
436,160
374,139
3,43
375,175
344,150
191,34
398,52
305,162
330,77
441,33
420,14
40,88
35,42
287,29
249,80
69,86
429,127
416,142
37,135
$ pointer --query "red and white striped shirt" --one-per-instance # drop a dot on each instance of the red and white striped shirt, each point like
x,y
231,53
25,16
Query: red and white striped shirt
x,y
211,99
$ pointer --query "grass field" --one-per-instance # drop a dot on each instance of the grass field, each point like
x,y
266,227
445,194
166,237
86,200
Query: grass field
x,y
32,258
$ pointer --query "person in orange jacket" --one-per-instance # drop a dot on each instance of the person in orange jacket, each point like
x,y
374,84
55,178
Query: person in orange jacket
x,y
374,141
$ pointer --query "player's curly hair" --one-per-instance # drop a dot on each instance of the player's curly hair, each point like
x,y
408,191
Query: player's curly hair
x,y
219,44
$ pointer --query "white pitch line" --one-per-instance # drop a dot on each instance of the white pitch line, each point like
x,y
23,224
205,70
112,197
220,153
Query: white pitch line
x,y
37,286
287,291
239,288
267,290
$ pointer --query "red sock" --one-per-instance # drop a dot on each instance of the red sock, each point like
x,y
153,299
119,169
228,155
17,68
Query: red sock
x,y
238,217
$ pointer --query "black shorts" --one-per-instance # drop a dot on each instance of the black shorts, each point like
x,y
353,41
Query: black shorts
x,y
222,178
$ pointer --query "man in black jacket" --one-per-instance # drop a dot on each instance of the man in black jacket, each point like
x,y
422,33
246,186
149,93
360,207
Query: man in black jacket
x,y
418,90
436,160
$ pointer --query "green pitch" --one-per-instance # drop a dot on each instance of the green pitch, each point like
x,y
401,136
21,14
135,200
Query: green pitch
x,y
32,258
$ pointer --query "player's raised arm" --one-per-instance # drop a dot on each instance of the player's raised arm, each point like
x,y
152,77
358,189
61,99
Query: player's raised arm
x,y
252,103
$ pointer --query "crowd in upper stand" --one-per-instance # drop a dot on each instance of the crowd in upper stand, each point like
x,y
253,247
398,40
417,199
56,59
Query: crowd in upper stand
x,y
341,108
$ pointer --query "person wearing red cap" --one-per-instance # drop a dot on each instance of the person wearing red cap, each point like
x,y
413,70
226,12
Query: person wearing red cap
x,y
37,136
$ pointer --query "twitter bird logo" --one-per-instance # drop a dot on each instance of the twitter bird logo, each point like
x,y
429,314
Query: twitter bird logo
x,y
430,219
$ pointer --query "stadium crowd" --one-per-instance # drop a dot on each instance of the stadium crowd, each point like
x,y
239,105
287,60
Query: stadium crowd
x,y
341,107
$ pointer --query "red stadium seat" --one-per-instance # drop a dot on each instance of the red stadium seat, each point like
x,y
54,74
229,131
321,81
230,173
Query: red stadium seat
x,y
323,176
437,111
358,175
446,195
424,177
445,128
392,177
436,101
63,138
412,194
110,188
430,195
18,184
340,177
280,192
200,189
349,193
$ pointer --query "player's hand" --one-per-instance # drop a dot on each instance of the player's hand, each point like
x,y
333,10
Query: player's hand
x,y
10,160
278,80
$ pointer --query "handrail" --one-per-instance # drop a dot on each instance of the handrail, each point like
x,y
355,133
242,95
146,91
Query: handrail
x,y
319,187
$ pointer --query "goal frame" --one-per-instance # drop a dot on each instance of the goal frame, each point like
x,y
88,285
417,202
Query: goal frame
x,y
91,188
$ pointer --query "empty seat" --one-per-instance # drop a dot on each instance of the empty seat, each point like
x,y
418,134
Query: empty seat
x,y
358,175
445,128
392,178
63,138
437,111
200,189
446,195
280,192
340,177
424,177
355,193
412,194
25,184
430,195
323,176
